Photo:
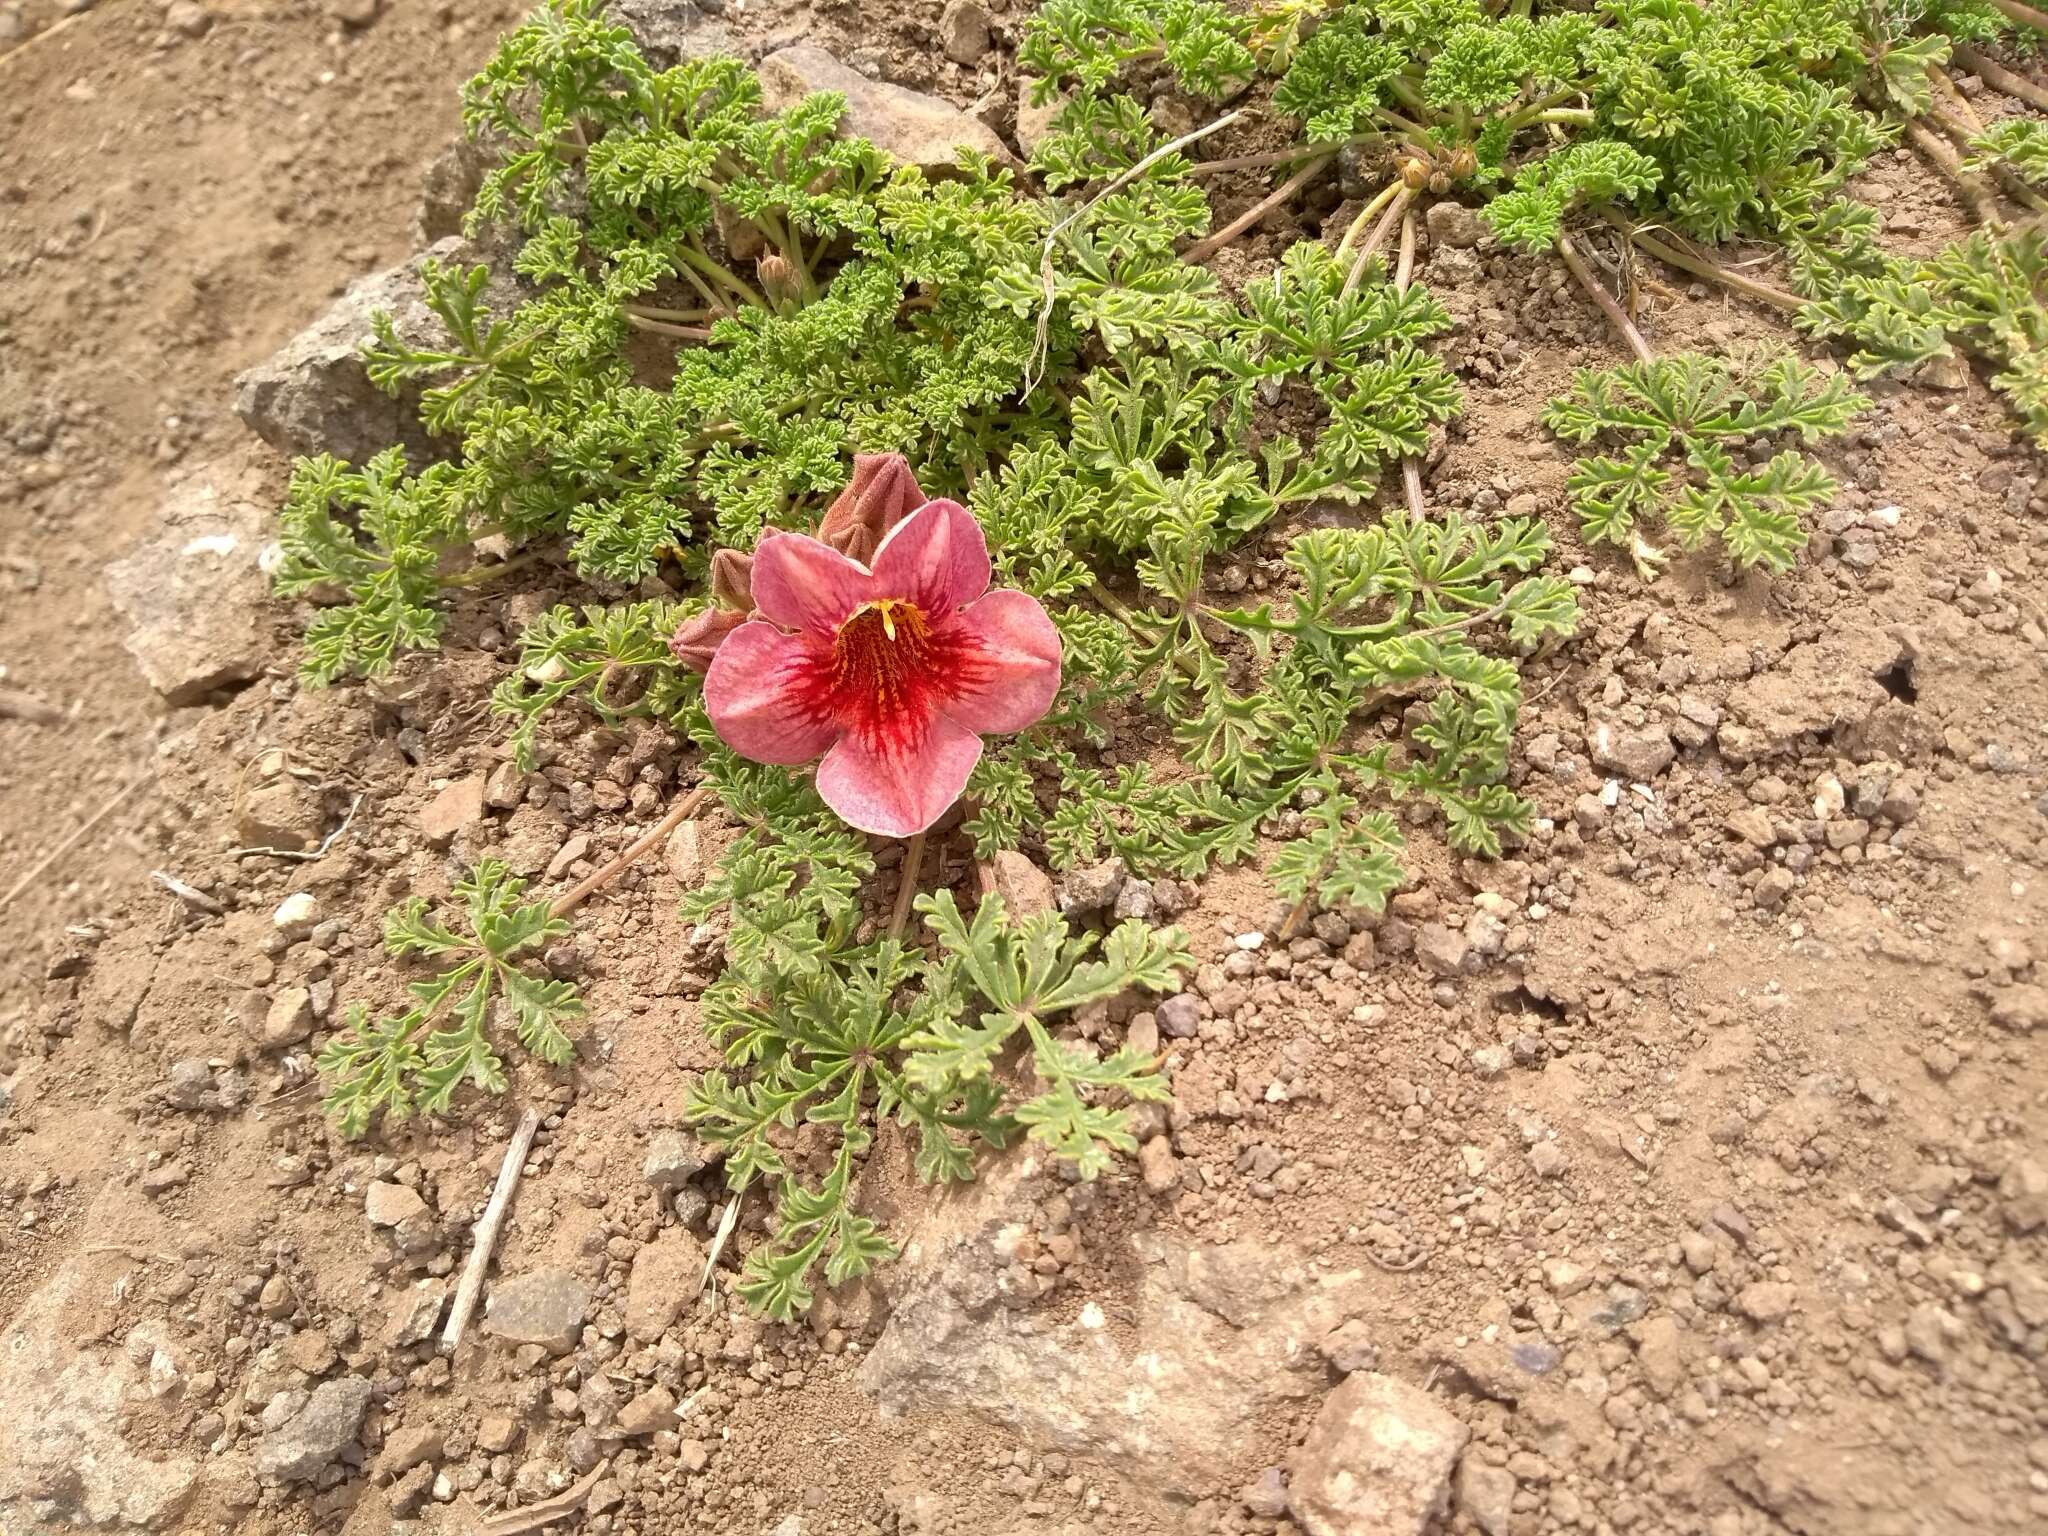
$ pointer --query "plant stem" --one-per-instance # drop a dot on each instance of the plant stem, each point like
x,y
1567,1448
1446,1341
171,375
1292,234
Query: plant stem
x,y
1574,116
1202,250
1380,199
1286,156
2000,78
906,887
477,575
663,328
679,316
1699,266
1616,316
1946,87
683,810
1939,153
1402,196
2025,14
1404,270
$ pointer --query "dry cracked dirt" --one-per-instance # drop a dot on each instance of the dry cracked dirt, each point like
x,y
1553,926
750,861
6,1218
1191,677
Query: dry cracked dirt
x,y
1684,1174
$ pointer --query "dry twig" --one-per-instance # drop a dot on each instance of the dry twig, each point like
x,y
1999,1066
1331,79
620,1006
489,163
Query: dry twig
x,y
681,812
472,1282
515,1522
36,872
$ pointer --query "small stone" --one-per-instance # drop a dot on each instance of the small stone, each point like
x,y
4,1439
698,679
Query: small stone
x,y
665,1276
1765,1301
190,1085
289,1019
1093,889
1659,1353
388,1204
545,1307
1349,1347
1775,888
1179,1017
506,788
310,1441
1699,1250
1564,1277
964,31
1638,754
2023,1010
673,1158
1266,1495
415,1312
1157,1165
353,13
1547,1159
693,1455
2023,1195
496,1433
191,591
651,1412
1377,1460
459,805
296,915
1442,951
1485,1494
1026,889
407,1448
187,18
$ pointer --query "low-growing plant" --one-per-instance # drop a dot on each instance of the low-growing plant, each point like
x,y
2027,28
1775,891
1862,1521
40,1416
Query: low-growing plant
x,y
1680,423
416,1061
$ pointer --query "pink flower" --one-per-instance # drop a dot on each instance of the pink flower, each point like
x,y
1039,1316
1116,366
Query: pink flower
x,y
894,672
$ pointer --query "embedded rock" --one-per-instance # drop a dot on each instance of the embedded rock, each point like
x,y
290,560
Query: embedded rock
x,y
1377,1461
666,1275
545,1307
191,592
1218,1339
670,31
63,1459
314,396
312,1439
907,126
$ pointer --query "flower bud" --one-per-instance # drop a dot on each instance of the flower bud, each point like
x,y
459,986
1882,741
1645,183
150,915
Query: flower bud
x,y
778,276
732,580
882,493
698,638
1415,173
1464,162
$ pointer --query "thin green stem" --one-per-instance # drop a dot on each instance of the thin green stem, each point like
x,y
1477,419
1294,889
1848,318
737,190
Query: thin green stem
x,y
906,888
1376,239
477,575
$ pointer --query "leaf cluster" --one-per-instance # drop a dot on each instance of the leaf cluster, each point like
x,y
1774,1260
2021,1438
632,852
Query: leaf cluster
x,y
1683,426
416,1061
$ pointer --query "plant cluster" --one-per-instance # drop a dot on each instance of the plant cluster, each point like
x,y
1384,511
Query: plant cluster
x,y
715,306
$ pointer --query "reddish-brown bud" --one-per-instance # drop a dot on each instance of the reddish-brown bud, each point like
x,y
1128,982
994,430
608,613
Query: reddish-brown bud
x,y
732,580
881,494
1415,173
697,640
778,276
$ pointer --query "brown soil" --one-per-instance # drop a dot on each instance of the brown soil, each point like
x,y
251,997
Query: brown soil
x,y
1696,1093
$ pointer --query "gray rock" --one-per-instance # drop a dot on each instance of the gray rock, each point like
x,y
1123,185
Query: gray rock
x,y
545,1307
313,396
310,1441
190,1085
1179,1016
1219,1330
190,593
1094,889
387,1204
673,1158
65,1463
447,189
415,1312
1034,123
1377,1461
908,126
670,31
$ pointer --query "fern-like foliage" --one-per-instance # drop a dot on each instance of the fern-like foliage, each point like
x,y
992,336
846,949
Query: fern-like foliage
x,y
1682,425
416,1061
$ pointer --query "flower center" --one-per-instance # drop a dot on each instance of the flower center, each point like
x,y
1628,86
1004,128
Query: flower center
x,y
880,651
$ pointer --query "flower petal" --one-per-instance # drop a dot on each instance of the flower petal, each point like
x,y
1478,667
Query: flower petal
x,y
757,695
1012,665
935,558
802,584
878,786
